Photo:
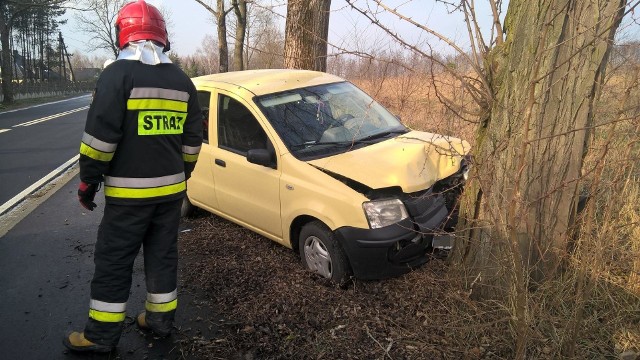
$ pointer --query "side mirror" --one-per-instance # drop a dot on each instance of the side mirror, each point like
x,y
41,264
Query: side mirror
x,y
262,157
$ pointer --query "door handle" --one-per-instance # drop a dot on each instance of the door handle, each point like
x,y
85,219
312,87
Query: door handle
x,y
221,163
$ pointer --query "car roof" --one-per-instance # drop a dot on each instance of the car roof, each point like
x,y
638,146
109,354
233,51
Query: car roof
x,y
266,81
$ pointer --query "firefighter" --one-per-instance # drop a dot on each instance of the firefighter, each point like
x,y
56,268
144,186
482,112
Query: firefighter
x,y
141,141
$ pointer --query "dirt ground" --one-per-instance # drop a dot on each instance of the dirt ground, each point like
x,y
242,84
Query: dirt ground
x,y
265,306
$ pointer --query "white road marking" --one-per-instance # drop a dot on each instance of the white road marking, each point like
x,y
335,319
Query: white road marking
x,y
26,192
4,130
46,118
49,103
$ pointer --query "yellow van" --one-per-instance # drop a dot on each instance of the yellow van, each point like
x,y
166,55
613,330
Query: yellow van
x,y
310,161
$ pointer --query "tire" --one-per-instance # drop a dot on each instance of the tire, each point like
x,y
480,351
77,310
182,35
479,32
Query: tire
x,y
320,253
187,209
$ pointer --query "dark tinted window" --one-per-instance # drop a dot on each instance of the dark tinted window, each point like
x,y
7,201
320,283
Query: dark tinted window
x,y
204,98
238,129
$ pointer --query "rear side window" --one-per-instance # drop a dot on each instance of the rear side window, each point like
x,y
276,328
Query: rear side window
x,y
204,99
238,129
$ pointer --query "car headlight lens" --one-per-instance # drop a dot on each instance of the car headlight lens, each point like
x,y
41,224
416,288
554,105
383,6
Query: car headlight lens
x,y
381,213
466,164
465,173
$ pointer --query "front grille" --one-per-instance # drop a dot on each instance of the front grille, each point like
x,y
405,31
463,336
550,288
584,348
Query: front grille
x,y
417,203
427,210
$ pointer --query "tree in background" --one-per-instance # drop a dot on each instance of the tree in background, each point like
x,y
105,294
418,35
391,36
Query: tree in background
x,y
81,60
41,15
265,39
240,10
207,55
220,16
36,43
220,12
306,33
97,21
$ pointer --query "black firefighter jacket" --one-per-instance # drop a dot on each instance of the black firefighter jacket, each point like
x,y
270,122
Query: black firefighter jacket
x,y
143,133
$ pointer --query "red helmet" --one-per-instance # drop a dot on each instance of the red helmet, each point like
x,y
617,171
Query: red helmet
x,y
140,21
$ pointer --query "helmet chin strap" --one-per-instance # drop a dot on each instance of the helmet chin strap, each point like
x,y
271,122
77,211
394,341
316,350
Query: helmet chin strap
x,y
145,51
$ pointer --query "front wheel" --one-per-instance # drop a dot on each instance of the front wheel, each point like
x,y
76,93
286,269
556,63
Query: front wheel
x,y
321,253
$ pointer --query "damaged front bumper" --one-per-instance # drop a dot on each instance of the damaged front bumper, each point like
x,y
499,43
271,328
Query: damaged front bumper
x,y
396,249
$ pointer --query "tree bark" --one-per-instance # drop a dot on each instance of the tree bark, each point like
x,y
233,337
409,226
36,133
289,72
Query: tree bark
x,y
532,144
240,10
306,33
520,209
223,48
7,64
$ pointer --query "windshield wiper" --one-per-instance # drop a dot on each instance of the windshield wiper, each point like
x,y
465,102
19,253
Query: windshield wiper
x,y
304,145
313,144
382,134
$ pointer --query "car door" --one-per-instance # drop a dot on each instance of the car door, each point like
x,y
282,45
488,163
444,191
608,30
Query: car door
x,y
201,185
247,193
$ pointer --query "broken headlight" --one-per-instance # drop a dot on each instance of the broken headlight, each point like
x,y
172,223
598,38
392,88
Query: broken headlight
x,y
381,213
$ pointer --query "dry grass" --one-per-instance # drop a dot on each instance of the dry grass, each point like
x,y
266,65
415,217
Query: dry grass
x,y
273,309
599,291
414,98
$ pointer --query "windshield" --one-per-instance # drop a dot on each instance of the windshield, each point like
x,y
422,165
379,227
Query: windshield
x,y
328,119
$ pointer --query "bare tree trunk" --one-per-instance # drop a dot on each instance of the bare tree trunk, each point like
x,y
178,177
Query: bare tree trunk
x,y
223,48
306,34
240,10
530,148
221,19
7,66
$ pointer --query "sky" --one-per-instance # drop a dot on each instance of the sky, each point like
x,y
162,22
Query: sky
x,y
191,23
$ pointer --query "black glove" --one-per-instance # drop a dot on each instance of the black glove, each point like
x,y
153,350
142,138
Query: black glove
x,y
86,194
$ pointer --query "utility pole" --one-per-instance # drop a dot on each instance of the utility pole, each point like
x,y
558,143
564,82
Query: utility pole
x,y
64,46
64,53
61,49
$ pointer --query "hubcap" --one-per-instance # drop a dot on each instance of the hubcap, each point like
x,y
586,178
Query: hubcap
x,y
317,256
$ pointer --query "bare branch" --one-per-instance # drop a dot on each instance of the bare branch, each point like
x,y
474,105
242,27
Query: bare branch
x,y
209,8
496,23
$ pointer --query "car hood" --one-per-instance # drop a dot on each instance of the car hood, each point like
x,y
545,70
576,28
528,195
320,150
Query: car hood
x,y
414,161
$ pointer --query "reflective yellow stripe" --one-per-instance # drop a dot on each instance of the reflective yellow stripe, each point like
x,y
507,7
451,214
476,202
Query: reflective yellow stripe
x,y
133,193
95,154
164,307
103,316
189,157
156,104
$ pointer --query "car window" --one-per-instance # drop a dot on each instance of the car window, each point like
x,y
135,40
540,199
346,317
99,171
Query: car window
x,y
238,130
204,99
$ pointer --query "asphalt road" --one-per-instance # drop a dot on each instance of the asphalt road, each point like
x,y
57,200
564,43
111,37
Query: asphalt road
x,y
36,140
46,265
47,244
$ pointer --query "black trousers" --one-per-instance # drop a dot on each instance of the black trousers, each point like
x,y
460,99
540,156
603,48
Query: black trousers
x,y
123,230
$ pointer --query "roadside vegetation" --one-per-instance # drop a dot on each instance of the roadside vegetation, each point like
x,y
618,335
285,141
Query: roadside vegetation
x,y
271,308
